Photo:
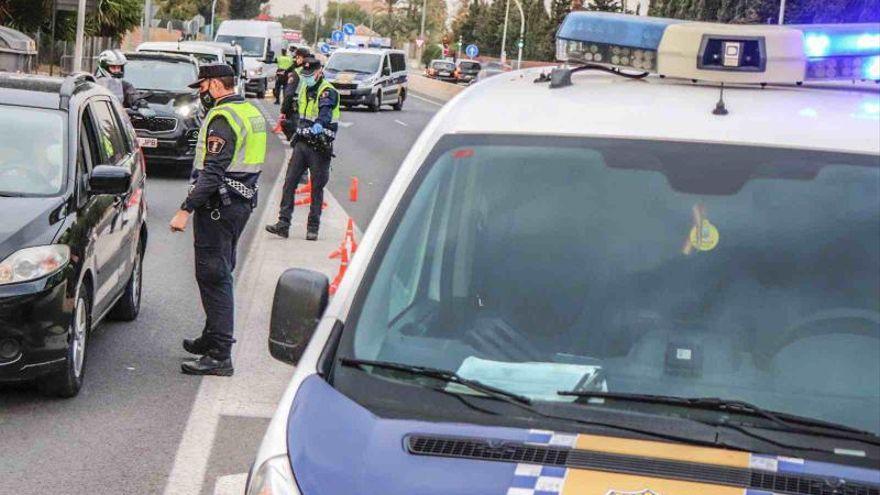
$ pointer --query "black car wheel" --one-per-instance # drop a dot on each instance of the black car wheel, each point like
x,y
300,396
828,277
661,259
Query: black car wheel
x,y
129,305
68,381
376,104
399,105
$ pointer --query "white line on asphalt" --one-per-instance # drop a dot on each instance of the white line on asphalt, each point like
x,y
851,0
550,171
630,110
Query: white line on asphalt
x,y
345,124
401,123
426,99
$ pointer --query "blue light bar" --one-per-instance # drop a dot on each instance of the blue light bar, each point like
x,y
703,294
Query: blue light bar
x,y
828,40
615,29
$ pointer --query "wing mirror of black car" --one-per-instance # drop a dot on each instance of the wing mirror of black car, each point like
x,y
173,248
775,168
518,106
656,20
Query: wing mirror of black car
x,y
386,71
300,300
109,179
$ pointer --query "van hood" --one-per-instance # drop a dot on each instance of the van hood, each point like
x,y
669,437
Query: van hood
x,y
337,446
26,222
251,63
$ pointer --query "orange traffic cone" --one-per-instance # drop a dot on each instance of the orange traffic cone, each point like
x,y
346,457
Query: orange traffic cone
x,y
353,190
349,235
343,266
306,188
277,129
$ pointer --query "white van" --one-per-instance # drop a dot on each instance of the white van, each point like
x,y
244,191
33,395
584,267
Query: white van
x,y
368,76
260,41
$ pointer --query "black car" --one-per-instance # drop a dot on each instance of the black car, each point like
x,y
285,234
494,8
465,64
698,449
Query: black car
x,y
467,71
72,225
168,133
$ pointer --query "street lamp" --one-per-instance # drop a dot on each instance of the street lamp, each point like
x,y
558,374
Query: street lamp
x,y
781,11
80,32
213,9
522,30
317,18
422,30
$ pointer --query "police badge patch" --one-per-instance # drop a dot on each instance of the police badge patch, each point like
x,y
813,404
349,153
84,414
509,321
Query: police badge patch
x,y
215,144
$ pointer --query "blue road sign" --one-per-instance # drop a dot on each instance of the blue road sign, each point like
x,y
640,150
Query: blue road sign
x,y
472,51
337,36
348,29
325,48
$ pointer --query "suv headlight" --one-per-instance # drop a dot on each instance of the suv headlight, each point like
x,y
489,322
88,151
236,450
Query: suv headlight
x,y
273,477
187,110
32,263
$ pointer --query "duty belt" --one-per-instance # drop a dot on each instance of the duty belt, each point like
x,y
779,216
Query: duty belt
x,y
243,190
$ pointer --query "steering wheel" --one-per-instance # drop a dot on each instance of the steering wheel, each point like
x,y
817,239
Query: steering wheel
x,y
851,321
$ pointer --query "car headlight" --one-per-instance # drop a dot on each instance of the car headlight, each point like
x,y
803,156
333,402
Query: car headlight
x,y
32,263
367,82
187,110
256,72
273,477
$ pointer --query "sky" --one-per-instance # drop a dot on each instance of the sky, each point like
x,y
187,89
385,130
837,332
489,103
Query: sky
x,y
283,7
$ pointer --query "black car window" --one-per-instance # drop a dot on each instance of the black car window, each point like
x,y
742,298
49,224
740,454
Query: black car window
x,y
398,62
87,154
112,142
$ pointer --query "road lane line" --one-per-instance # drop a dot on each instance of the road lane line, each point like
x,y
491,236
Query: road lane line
x,y
428,100
401,123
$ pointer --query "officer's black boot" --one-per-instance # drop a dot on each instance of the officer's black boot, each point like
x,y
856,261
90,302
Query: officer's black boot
x,y
208,365
280,229
312,235
195,346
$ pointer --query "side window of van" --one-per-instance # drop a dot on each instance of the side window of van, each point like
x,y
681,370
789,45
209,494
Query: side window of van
x,y
398,62
386,65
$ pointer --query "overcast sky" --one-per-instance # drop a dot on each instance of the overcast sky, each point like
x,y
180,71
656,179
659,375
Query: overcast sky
x,y
283,7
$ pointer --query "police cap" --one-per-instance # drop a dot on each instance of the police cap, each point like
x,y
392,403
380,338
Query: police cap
x,y
211,71
310,65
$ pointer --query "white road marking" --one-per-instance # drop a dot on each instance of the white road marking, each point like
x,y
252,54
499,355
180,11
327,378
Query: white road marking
x,y
401,123
345,124
413,95
233,484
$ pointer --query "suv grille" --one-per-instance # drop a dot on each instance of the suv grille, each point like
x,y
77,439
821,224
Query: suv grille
x,y
344,86
507,451
156,124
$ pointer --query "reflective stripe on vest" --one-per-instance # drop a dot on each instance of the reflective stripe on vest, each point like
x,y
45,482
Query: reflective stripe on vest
x,y
308,109
249,127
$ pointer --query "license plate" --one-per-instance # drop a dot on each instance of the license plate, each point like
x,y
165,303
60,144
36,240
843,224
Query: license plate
x,y
343,92
148,142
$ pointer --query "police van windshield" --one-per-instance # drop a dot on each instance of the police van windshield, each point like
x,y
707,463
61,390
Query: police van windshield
x,y
31,152
163,75
685,270
363,63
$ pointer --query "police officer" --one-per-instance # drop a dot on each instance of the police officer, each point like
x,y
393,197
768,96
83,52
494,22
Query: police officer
x,y
285,62
110,74
230,151
289,107
318,110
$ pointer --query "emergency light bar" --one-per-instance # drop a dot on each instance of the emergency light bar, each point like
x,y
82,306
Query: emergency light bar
x,y
721,52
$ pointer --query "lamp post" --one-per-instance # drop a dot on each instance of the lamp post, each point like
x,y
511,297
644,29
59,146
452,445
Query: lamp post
x,y
80,32
522,30
213,9
148,19
781,11
317,19
422,30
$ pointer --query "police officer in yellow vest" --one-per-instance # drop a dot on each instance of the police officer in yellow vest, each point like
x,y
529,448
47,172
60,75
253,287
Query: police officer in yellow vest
x,y
312,147
230,152
285,62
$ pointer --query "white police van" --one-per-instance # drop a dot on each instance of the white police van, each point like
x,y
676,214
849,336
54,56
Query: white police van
x,y
369,76
654,270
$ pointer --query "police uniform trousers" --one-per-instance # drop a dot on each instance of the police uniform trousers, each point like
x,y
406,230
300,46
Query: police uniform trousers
x,y
303,158
216,234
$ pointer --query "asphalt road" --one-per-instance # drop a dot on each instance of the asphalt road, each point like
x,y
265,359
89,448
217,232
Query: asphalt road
x,y
121,433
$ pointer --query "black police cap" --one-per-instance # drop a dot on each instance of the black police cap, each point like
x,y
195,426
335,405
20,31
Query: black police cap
x,y
310,65
302,52
211,71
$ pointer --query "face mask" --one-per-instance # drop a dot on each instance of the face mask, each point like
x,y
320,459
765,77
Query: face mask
x,y
309,81
206,99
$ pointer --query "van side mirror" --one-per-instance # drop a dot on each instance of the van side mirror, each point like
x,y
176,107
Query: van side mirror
x,y
301,297
109,179
270,57
386,71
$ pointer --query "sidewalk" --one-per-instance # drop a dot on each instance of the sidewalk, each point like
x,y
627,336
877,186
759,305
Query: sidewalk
x,y
259,380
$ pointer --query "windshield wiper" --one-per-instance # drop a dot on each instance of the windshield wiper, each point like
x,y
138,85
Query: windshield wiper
x,y
11,195
788,422
442,375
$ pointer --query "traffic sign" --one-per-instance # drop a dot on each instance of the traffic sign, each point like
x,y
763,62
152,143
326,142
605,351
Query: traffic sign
x,y
337,36
519,44
325,48
348,29
472,51
420,42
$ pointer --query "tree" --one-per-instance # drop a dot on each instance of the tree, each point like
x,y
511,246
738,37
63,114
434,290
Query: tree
x,y
179,9
605,5
244,9
113,19
293,21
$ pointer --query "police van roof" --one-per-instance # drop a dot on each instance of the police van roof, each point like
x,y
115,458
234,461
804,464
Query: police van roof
x,y
830,117
375,51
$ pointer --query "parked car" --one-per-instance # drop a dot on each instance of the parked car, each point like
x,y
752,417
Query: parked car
x,y
443,70
72,225
467,70
169,134
369,76
492,69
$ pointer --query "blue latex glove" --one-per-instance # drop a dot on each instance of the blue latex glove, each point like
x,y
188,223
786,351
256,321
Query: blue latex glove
x,y
317,128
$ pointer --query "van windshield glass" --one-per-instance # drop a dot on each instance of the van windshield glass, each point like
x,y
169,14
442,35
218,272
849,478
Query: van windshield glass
x,y
689,270
364,63
251,46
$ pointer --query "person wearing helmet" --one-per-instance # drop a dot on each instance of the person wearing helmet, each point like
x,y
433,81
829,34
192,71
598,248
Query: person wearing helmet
x,y
291,92
110,73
